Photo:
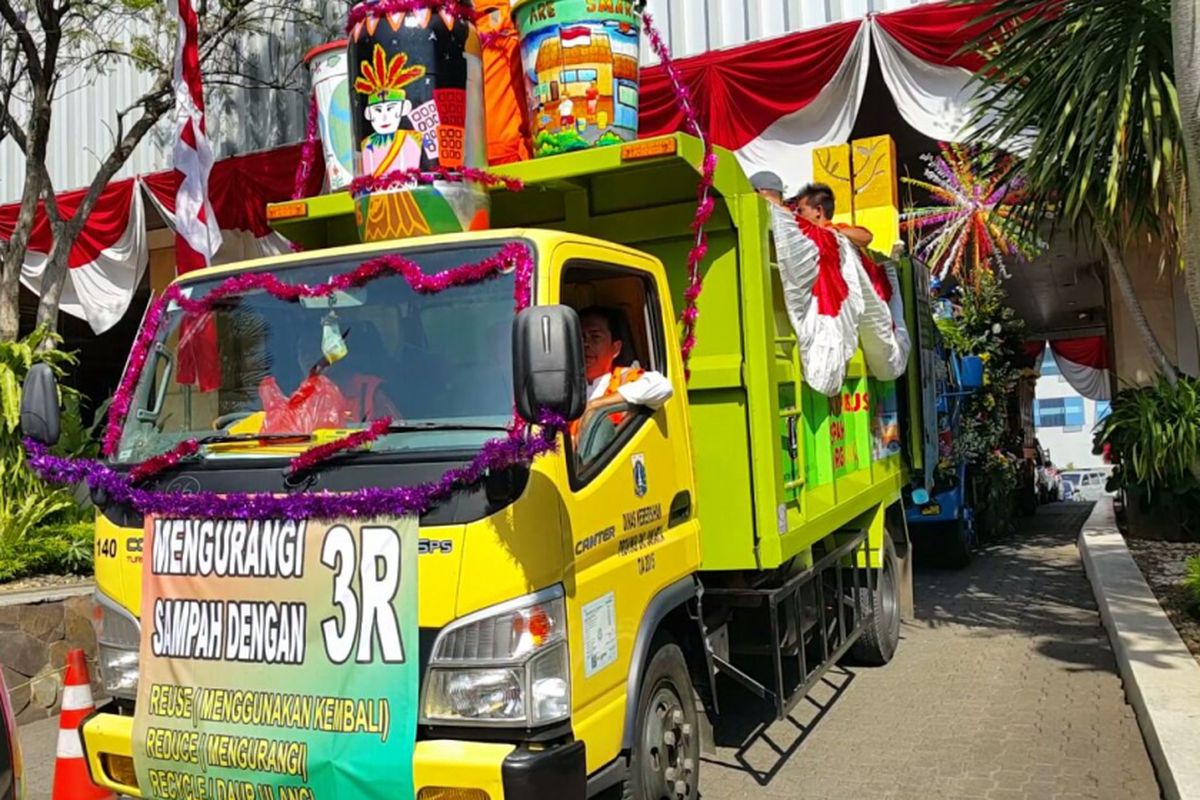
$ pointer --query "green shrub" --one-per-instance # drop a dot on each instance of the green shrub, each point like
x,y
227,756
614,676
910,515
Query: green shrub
x,y
1192,580
25,501
1152,437
43,528
65,548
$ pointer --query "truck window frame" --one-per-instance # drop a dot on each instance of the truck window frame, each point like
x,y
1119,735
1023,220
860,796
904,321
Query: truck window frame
x,y
653,322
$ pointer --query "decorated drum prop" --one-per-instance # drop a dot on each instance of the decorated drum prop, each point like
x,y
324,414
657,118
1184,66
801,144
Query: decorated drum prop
x,y
580,59
331,93
416,88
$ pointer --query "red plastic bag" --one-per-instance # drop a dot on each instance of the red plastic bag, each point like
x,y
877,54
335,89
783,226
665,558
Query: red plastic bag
x,y
316,404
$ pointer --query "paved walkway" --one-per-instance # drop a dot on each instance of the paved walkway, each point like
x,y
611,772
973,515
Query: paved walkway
x,y
1004,688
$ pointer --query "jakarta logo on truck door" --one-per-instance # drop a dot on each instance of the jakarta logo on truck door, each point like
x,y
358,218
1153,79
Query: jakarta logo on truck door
x,y
640,486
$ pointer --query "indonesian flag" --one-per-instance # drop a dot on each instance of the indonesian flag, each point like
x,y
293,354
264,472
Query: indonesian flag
x,y
197,235
578,36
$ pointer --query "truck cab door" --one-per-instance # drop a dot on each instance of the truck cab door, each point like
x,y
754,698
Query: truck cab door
x,y
630,513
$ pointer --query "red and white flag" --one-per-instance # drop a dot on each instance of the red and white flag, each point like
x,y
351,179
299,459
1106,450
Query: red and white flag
x,y
197,235
578,36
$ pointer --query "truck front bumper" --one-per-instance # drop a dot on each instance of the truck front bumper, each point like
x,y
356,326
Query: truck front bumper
x,y
442,769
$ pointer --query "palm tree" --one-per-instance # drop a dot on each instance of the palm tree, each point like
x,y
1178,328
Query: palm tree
x,y
1089,86
1185,29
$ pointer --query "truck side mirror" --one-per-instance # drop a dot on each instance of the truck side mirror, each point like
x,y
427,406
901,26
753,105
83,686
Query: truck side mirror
x,y
40,417
971,373
548,373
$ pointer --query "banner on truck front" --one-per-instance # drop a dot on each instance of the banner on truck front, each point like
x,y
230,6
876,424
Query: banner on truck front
x,y
279,660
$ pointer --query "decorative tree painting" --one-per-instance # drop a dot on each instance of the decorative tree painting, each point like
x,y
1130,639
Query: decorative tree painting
x,y
975,218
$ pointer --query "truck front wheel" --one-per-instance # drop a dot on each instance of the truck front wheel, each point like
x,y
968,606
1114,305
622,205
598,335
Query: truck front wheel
x,y
881,633
665,762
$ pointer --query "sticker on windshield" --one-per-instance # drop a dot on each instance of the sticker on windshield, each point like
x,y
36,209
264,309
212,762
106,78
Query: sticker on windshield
x,y
599,634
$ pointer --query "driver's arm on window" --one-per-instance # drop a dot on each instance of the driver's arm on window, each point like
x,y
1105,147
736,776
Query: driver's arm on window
x,y
651,390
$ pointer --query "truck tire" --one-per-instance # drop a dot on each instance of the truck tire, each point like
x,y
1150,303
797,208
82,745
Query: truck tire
x,y
958,543
665,762
881,635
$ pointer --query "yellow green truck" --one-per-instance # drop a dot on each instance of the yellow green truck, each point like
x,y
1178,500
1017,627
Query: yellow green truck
x,y
631,585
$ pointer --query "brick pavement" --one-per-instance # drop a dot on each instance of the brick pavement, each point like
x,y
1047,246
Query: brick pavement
x,y
1003,688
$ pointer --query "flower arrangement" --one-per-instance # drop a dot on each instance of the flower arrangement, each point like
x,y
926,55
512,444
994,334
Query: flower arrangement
x,y
983,325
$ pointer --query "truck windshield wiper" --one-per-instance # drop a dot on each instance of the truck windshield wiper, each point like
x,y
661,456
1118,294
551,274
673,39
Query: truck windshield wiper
x,y
413,427
234,438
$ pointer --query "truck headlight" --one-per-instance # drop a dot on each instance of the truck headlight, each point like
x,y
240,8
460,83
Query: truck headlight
x,y
504,665
118,636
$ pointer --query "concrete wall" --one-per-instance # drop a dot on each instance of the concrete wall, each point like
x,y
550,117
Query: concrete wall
x,y
1161,293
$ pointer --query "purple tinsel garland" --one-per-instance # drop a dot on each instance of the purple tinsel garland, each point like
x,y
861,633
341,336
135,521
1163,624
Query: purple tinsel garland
x,y
496,454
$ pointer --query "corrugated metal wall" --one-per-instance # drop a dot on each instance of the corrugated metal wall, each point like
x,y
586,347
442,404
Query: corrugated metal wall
x,y
696,26
81,133
241,122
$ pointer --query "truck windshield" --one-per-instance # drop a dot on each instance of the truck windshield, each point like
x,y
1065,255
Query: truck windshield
x,y
440,365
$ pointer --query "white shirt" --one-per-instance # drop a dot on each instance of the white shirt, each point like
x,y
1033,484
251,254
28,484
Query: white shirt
x,y
651,390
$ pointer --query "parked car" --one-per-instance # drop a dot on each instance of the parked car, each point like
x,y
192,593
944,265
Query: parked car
x,y
10,750
1086,485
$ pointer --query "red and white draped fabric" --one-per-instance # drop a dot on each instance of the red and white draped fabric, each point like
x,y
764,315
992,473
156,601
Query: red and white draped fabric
x,y
239,189
1035,350
770,102
1084,363
106,262
773,102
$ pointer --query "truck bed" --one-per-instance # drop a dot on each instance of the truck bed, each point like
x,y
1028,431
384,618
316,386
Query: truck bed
x,y
779,466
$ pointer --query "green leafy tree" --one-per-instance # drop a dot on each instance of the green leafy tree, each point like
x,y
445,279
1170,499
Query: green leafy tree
x,y
1090,87
25,501
43,42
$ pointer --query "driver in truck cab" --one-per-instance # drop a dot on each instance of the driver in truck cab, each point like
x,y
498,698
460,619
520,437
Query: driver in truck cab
x,y
613,375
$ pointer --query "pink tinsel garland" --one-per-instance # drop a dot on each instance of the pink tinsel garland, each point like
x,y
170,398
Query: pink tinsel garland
x,y
513,254
308,153
705,203
315,455
155,465
382,8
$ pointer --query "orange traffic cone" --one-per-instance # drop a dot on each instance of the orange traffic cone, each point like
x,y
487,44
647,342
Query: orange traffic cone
x,y
71,779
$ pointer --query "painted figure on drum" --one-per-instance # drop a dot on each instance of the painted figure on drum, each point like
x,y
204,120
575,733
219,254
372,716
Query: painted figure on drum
x,y
382,80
